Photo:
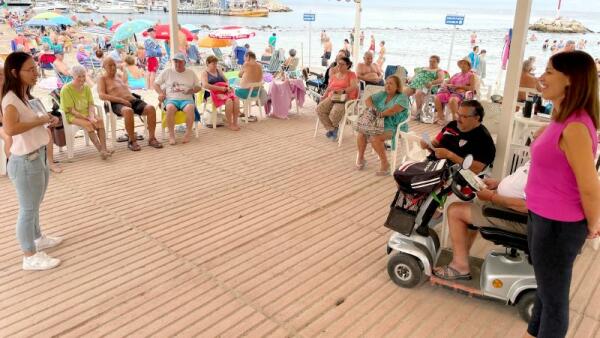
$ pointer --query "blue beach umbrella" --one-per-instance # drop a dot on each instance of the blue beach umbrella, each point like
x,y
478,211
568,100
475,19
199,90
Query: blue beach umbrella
x,y
62,20
127,29
40,22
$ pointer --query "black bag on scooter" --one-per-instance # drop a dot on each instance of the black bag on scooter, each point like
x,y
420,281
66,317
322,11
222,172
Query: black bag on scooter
x,y
420,177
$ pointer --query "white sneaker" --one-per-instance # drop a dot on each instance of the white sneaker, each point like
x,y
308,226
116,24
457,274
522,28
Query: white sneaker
x,y
40,261
46,242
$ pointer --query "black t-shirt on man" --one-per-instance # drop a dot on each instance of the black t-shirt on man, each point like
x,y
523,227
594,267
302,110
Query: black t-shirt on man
x,y
477,142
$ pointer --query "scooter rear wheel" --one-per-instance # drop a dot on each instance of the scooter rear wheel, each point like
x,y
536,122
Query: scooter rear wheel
x,y
404,270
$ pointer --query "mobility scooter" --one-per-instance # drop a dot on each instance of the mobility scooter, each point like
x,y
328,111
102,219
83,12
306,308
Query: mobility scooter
x,y
414,248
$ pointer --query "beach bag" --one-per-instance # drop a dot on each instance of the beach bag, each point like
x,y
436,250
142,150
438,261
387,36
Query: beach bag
x,y
420,177
368,123
338,98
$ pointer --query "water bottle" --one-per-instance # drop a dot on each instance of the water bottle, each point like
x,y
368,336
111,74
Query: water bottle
x,y
528,107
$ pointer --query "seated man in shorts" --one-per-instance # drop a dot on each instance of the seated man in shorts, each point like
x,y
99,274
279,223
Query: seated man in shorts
x,y
508,194
176,87
112,88
252,72
465,136
369,72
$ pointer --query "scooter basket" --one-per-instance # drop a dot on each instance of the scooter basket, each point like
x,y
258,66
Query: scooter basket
x,y
401,220
403,213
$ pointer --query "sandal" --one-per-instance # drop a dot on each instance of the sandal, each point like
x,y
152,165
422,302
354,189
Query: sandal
x,y
133,146
450,273
361,165
155,144
55,168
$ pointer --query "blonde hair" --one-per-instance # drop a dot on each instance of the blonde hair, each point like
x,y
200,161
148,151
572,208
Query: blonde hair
x,y
129,60
397,81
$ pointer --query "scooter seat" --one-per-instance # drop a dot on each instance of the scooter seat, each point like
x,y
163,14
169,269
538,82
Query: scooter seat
x,y
507,239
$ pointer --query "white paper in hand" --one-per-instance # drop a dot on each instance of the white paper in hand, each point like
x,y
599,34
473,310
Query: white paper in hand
x,y
425,137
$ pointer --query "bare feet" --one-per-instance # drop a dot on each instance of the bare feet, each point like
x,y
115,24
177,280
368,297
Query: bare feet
x,y
172,141
234,127
187,137
104,155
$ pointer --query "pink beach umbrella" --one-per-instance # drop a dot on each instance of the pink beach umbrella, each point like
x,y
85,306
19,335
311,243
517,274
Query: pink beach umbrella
x,y
232,33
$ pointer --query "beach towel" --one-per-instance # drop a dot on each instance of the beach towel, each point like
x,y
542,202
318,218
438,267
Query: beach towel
x,y
219,98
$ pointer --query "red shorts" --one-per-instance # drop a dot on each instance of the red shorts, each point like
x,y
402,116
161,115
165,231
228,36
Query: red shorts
x,y
152,64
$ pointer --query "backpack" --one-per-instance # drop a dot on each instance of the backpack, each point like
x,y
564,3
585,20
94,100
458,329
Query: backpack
x,y
420,177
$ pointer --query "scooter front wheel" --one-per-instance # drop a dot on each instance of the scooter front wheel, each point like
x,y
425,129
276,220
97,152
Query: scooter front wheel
x,y
525,305
404,270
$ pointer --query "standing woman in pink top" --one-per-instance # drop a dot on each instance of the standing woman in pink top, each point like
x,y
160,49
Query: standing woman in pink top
x,y
28,166
563,191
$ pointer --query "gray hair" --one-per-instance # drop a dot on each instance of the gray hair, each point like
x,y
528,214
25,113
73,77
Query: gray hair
x,y
46,47
78,70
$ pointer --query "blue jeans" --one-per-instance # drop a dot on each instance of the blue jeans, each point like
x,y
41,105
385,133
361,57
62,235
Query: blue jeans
x,y
30,177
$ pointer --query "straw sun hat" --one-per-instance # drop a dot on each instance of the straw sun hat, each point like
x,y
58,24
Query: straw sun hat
x,y
464,60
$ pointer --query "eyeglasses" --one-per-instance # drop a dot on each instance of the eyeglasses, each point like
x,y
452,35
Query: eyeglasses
x,y
465,116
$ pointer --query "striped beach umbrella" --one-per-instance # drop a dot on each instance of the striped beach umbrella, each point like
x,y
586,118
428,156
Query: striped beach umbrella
x,y
232,33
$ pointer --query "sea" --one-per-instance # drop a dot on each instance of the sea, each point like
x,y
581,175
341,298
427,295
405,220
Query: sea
x,y
412,30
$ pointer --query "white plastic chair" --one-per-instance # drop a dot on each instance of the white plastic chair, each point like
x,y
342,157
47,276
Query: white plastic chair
x,y
351,115
410,146
2,158
71,129
111,123
253,96
213,112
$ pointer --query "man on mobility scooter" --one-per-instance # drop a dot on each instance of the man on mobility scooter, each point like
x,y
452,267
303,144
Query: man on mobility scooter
x,y
465,136
507,195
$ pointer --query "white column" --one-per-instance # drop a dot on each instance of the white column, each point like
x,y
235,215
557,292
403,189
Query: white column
x,y
356,47
173,26
511,84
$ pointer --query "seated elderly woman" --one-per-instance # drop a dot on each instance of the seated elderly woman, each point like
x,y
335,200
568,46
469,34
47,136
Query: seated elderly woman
x,y
46,58
508,194
453,92
132,74
215,82
291,63
392,105
77,102
330,110
82,56
425,78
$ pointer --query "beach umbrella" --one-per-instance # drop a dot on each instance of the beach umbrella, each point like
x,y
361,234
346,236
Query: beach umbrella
x,y
62,20
162,33
40,22
115,26
232,33
129,28
97,30
46,15
208,42
191,28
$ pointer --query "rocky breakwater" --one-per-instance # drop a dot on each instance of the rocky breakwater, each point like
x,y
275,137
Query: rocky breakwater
x,y
559,25
276,6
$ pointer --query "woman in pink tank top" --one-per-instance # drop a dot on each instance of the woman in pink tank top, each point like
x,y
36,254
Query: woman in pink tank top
x,y
563,191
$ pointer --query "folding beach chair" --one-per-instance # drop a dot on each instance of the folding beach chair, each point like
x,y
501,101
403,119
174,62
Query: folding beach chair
x,y
276,61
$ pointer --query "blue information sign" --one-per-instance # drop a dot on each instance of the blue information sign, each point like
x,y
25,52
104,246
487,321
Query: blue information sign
x,y
309,17
456,20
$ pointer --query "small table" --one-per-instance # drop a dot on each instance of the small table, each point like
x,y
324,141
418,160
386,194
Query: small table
x,y
522,124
